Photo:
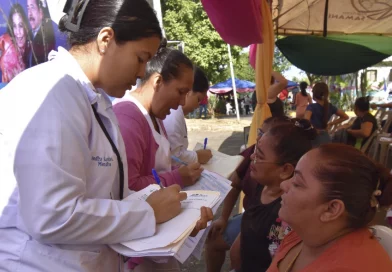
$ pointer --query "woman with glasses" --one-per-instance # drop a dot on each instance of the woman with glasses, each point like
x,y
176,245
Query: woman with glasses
x,y
224,230
273,161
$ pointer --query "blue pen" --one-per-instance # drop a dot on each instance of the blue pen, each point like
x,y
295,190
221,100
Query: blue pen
x,y
205,143
178,160
156,177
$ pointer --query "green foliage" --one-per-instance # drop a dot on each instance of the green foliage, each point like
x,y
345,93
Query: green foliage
x,y
342,101
186,20
242,68
280,63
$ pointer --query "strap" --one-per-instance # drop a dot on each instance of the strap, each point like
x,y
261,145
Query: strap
x,y
115,150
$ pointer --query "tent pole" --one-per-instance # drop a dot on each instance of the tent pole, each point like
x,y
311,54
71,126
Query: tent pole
x,y
233,83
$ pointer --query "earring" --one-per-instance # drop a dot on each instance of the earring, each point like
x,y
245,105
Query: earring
x,y
102,51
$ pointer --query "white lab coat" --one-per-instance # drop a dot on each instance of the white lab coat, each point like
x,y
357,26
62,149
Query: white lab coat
x,y
177,133
58,174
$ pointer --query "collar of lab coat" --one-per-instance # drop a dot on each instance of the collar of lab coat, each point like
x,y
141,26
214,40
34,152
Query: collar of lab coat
x,y
95,95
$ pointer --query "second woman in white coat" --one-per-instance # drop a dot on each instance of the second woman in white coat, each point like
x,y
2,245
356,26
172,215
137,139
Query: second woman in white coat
x,y
176,126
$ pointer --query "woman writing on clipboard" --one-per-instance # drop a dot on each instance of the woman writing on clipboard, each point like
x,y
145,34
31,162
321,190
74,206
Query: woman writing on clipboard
x,y
62,159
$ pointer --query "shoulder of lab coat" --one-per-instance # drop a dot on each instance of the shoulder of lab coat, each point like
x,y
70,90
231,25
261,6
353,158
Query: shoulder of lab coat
x,y
140,148
52,130
177,134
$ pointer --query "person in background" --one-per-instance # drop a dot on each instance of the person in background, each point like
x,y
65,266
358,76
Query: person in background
x,y
229,108
62,176
364,125
44,39
329,203
168,79
15,44
224,230
248,103
320,112
273,161
302,100
278,84
203,105
176,126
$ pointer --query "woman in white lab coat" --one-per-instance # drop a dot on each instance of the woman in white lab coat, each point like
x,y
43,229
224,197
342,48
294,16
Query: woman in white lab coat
x,y
62,159
176,126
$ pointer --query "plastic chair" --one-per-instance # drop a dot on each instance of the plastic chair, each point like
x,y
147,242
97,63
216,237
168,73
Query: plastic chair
x,y
384,236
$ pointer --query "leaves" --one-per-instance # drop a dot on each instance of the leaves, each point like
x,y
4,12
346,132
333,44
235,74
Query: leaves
x,y
186,20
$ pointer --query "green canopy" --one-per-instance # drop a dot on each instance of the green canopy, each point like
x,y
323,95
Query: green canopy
x,y
334,55
331,37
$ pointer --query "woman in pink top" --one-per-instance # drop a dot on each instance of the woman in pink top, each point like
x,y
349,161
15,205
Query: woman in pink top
x,y
302,100
167,80
329,203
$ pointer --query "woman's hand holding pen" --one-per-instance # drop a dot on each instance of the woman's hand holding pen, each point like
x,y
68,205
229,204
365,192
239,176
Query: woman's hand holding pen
x,y
203,155
190,173
166,202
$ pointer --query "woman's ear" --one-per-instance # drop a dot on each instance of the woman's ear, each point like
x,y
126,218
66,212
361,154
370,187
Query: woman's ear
x,y
156,81
333,210
288,170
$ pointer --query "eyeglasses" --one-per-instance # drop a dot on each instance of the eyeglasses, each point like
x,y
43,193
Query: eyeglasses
x,y
258,160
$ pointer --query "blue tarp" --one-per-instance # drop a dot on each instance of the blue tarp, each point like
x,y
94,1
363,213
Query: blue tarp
x,y
240,84
244,84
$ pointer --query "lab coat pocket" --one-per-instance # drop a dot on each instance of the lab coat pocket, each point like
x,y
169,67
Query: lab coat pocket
x,y
37,257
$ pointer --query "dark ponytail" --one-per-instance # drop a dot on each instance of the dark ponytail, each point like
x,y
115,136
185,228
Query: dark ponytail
x,y
321,92
303,85
292,140
361,183
167,62
130,20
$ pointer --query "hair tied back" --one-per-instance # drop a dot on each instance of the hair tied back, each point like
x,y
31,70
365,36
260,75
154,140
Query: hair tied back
x,y
74,10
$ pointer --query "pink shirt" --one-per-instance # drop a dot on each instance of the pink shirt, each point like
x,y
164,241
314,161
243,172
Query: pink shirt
x,y
140,147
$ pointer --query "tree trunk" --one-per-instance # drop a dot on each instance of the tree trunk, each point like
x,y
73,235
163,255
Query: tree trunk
x,y
363,82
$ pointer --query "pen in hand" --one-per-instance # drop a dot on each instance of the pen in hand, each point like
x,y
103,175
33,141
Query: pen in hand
x,y
157,179
178,160
205,143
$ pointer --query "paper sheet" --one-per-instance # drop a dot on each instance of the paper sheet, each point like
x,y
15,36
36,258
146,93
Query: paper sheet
x,y
173,230
208,181
221,163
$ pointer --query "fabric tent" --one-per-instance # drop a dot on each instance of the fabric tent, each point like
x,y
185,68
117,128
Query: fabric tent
x,y
243,86
331,37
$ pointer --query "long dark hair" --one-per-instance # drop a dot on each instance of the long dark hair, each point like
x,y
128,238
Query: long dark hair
x,y
321,92
130,20
303,85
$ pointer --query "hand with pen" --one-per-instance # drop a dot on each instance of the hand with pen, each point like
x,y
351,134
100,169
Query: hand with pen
x,y
166,203
190,173
204,155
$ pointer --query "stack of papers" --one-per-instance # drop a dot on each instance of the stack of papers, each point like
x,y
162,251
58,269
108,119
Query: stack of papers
x,y
172,237
221,163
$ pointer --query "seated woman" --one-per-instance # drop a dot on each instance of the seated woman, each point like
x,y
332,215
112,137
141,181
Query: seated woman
x,y
224,231
329,203
274,161
320,112
167,80
364,125
175,122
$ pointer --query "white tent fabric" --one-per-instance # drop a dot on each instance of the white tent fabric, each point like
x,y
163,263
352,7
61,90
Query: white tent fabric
x,y
344,16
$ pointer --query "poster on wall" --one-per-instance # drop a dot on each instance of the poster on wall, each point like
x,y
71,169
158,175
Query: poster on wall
x,y
27,35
